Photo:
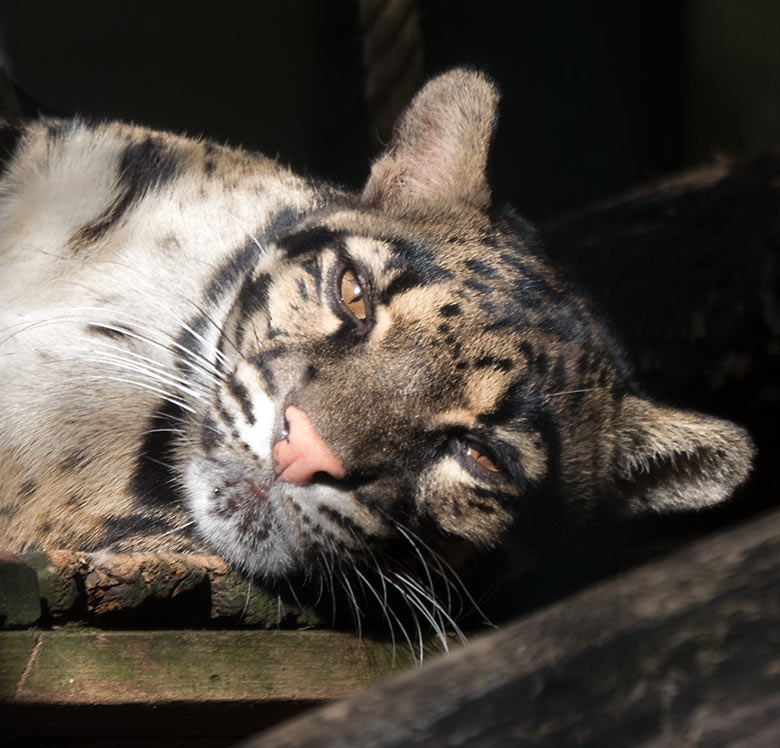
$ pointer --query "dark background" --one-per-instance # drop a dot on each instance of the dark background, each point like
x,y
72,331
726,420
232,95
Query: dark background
x,y
597,96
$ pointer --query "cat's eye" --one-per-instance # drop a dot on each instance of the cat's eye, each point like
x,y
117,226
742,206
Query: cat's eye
x,y
480,457
352,294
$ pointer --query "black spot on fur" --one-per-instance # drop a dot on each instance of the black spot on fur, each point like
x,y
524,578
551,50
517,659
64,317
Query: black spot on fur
x,y
228,420
344,522
520,401
558,378
481,268
209,161
144,166
210,435
77,499
153,481
481,288
113,330
147,165
263,364
282,223
482,507
9,139
449,310
241,393
188,345
77,458
527,351
399,284
253,295
28,488
312,267
412,257
169,244
225,278
489,362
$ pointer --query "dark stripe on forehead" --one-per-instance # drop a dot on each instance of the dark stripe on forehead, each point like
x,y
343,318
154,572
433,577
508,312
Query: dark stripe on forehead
x,y
284,222
309,240
403,282
520,402
312,268
413,257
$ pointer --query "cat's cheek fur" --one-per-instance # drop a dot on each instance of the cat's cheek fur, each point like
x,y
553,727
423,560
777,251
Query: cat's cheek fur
x,y
254,414
464,513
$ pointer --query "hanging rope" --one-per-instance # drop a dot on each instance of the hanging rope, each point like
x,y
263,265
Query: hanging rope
x,y
393,59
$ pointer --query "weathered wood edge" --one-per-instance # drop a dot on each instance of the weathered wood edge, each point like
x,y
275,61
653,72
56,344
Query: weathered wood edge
x,y
63,586
85,666
683,651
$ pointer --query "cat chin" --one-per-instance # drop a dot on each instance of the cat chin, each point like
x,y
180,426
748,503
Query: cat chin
x,y
234,512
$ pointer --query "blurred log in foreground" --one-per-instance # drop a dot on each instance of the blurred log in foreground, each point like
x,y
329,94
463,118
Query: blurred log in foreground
x,y
684,651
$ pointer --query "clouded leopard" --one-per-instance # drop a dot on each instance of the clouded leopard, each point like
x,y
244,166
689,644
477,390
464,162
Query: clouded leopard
x,y
201,350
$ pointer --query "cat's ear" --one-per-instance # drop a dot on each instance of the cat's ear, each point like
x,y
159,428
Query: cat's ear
x,y
438,154
674,460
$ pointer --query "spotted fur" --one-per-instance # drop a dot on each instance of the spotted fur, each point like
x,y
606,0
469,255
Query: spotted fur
x,y
164,300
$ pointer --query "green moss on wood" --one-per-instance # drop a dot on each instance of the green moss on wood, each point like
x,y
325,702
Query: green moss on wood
x,y
19,597
58,592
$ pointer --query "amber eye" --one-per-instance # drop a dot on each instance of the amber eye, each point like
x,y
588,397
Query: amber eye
x,y
479,456
352,294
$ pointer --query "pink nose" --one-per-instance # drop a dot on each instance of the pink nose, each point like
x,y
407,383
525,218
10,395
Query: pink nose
x,y
304,452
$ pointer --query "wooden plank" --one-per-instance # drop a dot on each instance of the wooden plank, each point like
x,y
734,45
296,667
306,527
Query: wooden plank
x,y
16,650
79,666
684,651
131,588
